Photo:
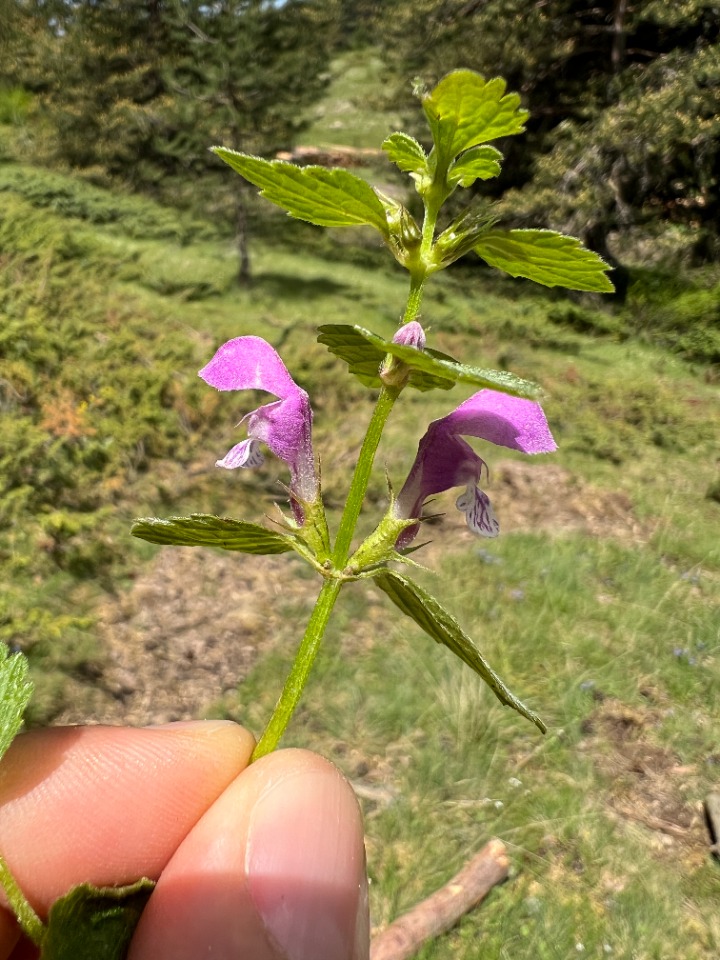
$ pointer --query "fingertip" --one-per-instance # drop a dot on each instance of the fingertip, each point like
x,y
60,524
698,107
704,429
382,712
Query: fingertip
x,y
275,869
305,860
108,805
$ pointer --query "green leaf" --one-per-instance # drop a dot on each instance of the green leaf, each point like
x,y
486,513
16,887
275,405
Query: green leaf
x,y
364,351
406,153
206,530
480,163
465,110
328,198
546,257
15,692
92,923
428,614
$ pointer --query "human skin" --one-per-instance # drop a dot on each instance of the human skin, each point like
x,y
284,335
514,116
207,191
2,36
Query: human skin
x,y
263,861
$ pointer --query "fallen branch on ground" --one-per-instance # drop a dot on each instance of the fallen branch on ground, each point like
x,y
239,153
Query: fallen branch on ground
x,y
442,909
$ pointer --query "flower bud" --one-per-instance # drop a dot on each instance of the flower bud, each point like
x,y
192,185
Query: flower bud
x,y
394,372
411,335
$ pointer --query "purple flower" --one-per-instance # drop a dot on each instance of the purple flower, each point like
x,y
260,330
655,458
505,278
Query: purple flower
x,y
285,426
445,460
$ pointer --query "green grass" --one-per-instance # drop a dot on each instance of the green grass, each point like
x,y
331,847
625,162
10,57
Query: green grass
x,y
589,631
109,306
352,113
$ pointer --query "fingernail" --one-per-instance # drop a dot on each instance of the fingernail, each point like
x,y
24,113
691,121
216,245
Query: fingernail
x,y
305,867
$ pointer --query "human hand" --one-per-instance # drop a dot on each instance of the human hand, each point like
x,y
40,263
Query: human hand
x,y
264,862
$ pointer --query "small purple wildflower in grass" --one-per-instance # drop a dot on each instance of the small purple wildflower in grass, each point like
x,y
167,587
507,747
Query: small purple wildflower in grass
x,y
487,557
692,576
444,460
680,653
285,426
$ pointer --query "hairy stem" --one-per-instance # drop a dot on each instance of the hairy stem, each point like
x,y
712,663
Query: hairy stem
x,y
412,310
361,476
29,921
304,659
315,630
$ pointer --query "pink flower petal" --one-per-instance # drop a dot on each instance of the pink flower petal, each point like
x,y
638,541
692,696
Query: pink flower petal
x,y
285,425
444,460
249,363
504,420
245,454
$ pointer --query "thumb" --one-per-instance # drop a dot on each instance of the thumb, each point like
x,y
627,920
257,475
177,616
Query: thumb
x,y
275,870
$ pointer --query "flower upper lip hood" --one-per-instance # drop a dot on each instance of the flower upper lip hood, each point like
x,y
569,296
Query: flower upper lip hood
x,y
285,426
444,460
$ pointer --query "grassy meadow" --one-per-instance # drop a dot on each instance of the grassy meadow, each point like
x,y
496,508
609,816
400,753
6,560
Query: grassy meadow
x,y
599,604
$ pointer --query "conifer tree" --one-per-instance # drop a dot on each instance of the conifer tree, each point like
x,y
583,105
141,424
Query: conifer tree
x,y
249,69
137,91
623,102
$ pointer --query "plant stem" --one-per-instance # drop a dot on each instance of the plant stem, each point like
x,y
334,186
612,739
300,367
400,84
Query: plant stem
x,y
428,231
361,476
315,630
417,284
29,921
297,679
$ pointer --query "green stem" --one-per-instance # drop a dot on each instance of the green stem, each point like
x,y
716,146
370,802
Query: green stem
x,y
360,479
304,659
428,232
423,264
29,921
310,645
412,310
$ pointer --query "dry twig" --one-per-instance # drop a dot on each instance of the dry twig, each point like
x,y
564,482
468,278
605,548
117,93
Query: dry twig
x,y
442,909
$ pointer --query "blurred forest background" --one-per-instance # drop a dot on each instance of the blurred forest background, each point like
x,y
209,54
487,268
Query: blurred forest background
x,y
128,253
623,142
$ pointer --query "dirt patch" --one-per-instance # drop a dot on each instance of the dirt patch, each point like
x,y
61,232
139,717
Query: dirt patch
x,y
195,621
650,786
528,496
186,634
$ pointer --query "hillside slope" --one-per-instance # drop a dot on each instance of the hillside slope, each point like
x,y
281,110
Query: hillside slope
x,y
599,603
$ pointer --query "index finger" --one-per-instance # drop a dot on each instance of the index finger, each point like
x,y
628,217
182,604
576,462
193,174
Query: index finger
x,y
107,805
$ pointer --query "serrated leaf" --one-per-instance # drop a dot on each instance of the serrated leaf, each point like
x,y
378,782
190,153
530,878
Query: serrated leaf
x,y
480,163
328,198
464,110
428,614
206,530
364,351
15,691
546,257
92,923
406,153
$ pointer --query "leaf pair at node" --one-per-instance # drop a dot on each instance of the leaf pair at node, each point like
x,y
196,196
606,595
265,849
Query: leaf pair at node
x,y
409,597
364,351
464,113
